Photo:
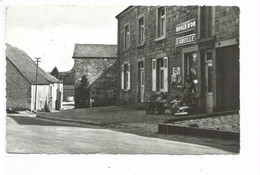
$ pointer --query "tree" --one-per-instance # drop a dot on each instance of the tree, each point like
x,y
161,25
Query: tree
x,y
55,72
82,93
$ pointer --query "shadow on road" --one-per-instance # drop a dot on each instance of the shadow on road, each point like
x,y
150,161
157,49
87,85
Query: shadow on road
x,y
24,120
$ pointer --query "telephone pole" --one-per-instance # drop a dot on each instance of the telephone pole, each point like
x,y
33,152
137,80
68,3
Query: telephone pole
x,y
37,65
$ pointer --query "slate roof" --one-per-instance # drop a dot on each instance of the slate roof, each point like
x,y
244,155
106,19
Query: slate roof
x,y
95,51
27,66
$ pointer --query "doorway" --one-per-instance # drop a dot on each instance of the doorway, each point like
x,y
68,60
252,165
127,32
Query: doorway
x,y
208,67
141,81
228,58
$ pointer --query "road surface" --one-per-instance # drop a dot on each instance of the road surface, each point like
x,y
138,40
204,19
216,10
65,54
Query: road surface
x,y
31,135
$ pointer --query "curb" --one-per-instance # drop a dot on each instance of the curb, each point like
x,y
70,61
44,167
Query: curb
x,y
168,127
200,116
172,129
71,121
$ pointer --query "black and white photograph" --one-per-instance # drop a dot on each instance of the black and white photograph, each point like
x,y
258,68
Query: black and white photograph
x,y
128,80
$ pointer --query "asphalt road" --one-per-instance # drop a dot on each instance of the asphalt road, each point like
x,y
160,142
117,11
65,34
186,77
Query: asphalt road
x,y
31,135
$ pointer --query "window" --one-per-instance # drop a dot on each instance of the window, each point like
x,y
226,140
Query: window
x,y
160,74
206,16
125,76
141,30
209,70
161,22
191,65
127,37
50,92
160,77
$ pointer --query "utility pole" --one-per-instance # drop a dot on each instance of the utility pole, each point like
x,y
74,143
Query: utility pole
x,y
37,65
105,81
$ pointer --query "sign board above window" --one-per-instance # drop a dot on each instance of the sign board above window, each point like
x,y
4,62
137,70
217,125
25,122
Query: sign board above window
x,y
186,26
188,39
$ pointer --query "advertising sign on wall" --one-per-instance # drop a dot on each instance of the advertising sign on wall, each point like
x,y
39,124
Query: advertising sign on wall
x,y
188,39
186,26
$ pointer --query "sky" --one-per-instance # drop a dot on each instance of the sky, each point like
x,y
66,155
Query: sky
x,y
51,31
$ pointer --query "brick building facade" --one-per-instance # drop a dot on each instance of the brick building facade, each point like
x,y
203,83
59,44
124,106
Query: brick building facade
x,y
158,47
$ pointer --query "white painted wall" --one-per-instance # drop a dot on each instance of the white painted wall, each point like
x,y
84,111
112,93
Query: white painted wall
x,y
47,94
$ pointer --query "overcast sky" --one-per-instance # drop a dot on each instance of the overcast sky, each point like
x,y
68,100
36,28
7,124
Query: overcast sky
x,y
50,31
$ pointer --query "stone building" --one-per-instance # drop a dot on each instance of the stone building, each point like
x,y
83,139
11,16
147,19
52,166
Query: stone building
x,y
158,47
97,63
21,84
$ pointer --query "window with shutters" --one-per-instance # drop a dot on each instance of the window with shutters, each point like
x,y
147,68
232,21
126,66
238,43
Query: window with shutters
x,y
160,74
125,76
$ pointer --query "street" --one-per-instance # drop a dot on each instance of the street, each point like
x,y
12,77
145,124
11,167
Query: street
x,y
32,135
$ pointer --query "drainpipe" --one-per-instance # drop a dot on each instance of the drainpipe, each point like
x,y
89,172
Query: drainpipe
x,y
118,61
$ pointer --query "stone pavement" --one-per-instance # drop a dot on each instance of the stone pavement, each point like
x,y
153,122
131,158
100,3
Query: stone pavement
x,y
223,123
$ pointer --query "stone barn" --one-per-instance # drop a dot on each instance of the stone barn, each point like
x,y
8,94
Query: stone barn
x,y
97,64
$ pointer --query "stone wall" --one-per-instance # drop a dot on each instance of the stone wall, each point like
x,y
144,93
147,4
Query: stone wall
x,y
104,89
93,69
18,89
227,22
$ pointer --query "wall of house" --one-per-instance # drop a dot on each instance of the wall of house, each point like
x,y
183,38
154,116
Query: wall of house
x,y
52,99
151,48
18,89
226,33
227,22
42,97
93,68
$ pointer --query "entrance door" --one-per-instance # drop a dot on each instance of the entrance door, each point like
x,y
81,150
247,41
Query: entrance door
x,y
141,81
208,82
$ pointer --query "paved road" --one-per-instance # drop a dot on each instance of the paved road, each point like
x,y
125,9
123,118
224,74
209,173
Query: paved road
x,y
31,135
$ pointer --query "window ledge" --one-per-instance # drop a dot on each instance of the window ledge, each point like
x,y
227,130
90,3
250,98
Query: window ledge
x,y
126,49
207,39
125,90
161,38
140,44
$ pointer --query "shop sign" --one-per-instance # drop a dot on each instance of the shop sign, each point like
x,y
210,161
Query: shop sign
x,y
185,40
186,26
